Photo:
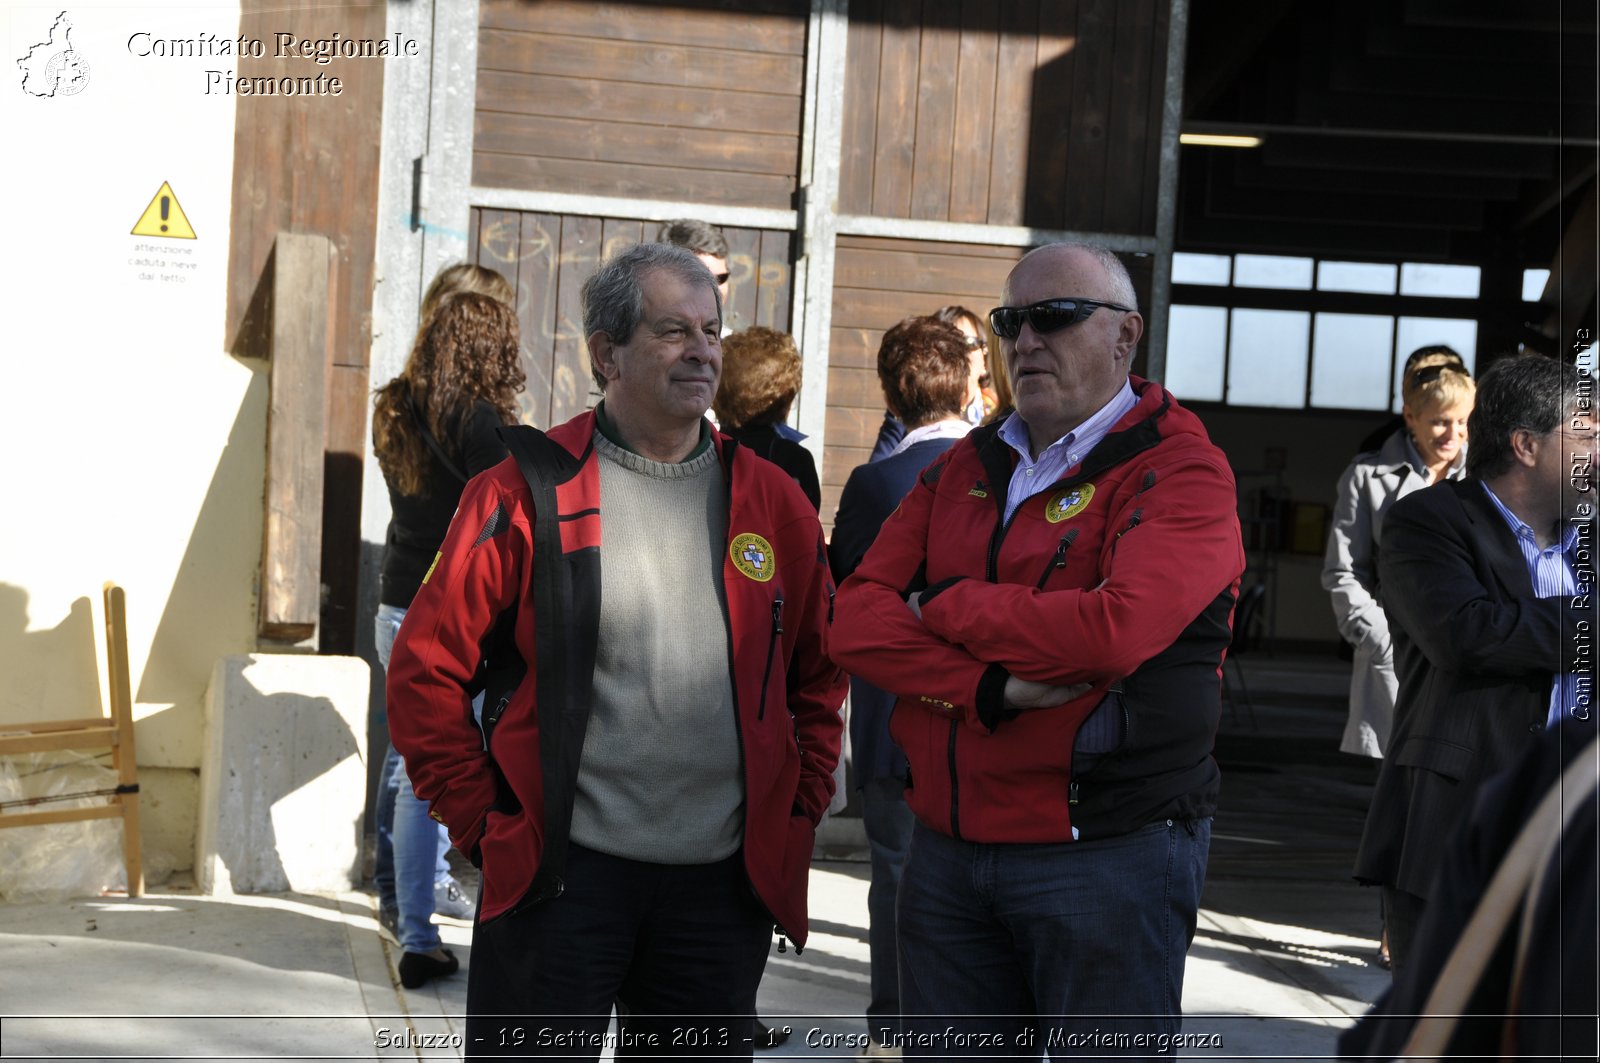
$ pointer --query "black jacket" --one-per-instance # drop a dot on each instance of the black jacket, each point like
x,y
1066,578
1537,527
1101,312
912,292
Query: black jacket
x,y
1475,652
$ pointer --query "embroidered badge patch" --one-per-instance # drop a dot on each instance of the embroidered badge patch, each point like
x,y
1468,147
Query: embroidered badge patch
x,y
752,555
1068,503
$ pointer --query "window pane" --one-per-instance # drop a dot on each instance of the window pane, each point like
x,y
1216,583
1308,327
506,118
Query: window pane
x,y
1267,358
1422,278
1533,282
1350,361
1196,336
1271,271
1199,269
1414,332
1376,277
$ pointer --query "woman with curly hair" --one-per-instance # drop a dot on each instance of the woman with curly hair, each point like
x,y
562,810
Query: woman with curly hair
x,y
433,427
760,378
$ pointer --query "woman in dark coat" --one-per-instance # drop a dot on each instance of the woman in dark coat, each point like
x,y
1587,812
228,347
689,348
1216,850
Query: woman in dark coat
x,y
760,378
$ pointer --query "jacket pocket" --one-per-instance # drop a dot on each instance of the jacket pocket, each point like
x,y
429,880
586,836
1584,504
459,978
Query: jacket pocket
x,y
1447,758
1103,731
773,641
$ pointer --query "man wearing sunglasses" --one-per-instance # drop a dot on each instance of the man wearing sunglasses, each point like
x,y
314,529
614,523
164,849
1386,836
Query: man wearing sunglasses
x,y
1050,606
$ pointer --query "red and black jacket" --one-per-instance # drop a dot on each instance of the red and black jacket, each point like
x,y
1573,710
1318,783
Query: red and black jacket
x,y
524,552
1122,575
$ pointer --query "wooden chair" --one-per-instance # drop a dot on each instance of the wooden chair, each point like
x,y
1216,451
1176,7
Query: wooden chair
x,y
98,732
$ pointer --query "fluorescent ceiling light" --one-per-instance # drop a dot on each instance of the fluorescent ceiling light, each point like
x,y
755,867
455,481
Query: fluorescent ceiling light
x,y
1219,140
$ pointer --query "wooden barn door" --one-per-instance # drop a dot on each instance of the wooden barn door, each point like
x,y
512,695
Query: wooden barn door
x,y
547,257
595,122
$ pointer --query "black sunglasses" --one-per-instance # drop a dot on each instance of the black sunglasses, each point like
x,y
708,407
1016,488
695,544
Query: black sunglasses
x,y
1049,316
1429,373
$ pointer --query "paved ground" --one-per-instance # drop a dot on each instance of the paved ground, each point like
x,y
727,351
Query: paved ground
x,y
1282,961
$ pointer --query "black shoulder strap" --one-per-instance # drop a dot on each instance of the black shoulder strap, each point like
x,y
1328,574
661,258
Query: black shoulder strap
x,y
433,444
566,617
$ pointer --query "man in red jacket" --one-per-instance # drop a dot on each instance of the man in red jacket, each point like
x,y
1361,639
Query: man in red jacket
x,y
1050,605
660,731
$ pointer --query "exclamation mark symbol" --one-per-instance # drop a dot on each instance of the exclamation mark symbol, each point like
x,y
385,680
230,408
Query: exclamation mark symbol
x,y
166,208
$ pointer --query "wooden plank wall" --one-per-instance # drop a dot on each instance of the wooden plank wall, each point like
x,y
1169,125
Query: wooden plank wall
x,y
309,164
547,257
1031,112
690,100
879,281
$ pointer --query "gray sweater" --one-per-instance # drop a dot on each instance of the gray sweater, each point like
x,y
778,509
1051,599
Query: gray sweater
x,y
661,778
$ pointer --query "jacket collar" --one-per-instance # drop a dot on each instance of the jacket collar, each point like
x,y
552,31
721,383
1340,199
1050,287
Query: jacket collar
x,y
1498,540
1138,430
1397,454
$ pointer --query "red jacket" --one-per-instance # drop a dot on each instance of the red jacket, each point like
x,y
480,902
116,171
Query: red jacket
x,y
525,544
1122,575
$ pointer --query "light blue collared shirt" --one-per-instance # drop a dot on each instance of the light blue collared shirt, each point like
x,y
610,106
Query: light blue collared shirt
x,y
1031,477
1551,572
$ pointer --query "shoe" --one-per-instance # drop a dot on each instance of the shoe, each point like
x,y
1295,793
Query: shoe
x,y
389,921
418,968
451,901
876,1051
766,1037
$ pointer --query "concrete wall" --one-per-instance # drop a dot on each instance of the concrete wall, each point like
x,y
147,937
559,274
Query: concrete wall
x,y
283,782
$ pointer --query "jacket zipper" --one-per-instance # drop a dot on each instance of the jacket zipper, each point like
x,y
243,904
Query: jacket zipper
x,y
991,573
955,788
772,647
1072,785
1133,522
1060,558
1148,482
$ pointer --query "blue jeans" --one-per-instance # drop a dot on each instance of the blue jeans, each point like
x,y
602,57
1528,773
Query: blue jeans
x,y
888,821
411,844
1075,948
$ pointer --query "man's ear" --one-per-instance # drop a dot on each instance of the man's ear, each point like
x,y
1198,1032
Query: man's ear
x,y
1128,333
603,355
1525,444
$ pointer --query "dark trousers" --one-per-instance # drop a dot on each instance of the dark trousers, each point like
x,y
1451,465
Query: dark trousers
x,y
1402,915
682,947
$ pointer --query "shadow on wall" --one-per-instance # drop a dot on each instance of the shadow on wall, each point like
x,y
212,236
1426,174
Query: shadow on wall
x,y
367,650
211,607
51,673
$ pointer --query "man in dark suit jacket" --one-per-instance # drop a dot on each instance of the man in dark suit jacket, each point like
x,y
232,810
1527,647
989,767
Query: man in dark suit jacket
x,y
923,367
1486,583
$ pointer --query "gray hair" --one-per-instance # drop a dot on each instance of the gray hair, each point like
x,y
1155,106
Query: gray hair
x,y
613,300
1122,290
1526,391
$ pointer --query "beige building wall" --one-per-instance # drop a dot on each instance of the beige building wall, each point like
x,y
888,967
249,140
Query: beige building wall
x,y
132,441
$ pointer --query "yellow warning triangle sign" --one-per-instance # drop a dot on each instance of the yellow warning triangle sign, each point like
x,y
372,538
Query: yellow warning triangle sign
x,y
163,217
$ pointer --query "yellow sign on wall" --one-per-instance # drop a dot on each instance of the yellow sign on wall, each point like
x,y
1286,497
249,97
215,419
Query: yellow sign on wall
x,y
163,217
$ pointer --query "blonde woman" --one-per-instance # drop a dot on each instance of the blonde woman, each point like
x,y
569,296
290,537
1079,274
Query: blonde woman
x,y
1431,446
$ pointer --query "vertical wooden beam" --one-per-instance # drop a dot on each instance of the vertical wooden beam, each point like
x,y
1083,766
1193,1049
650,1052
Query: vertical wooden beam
x,y
819,216
120,691
1166,192
291,542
